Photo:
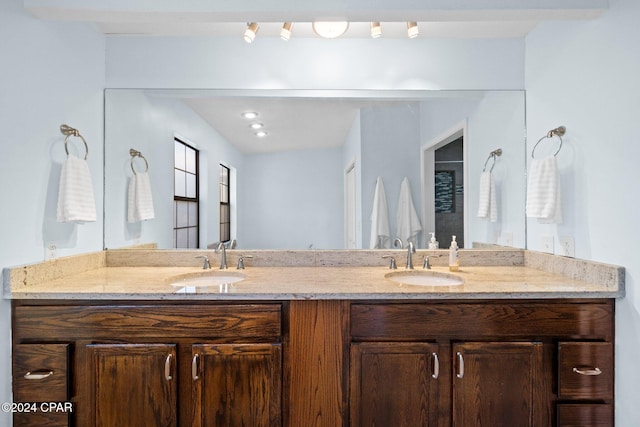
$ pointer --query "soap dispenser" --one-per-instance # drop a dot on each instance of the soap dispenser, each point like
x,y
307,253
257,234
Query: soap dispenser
x,y
454,261
433,243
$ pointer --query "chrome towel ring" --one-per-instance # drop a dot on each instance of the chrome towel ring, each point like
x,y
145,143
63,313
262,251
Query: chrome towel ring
x,y
69,132
559,132
134,154
492,155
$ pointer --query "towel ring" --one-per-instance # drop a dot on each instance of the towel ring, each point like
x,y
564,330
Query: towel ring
x,y
69,131
134,154
559,131
492,155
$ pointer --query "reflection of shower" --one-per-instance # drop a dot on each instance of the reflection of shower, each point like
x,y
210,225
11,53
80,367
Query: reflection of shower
x,y
449,191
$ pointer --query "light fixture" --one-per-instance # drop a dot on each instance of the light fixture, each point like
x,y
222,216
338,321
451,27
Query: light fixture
x,y
412,30
376,30
330,29
256,125
251,31
249,115
261,134
285,33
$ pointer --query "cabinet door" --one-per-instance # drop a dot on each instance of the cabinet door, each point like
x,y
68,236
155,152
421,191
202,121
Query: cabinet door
x,y
496,384
394,384
133,384
237,384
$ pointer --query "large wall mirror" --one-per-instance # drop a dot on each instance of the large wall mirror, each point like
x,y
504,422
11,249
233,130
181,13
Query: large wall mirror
x,y
309,183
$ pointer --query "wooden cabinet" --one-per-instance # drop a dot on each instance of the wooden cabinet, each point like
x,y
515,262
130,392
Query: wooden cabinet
x,y
482,363
141,364
321,363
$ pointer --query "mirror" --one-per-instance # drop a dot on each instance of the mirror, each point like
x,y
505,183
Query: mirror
x,y
309,183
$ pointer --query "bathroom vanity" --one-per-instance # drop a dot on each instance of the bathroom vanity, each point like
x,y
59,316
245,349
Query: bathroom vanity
x,y
322,345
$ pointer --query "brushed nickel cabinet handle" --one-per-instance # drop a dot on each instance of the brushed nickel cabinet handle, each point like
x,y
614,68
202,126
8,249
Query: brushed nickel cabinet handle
x,y
194,367
587,371
40,374
167,367
460,373
436,366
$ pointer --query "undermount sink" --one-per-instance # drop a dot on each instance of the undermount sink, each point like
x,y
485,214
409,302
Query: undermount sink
x,y
206,278
424,278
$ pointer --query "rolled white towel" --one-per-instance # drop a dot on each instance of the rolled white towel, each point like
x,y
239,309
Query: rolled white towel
x,y
140,200
75,193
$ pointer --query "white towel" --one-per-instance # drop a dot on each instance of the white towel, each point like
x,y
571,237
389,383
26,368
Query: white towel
x,y
487,206
543,191
140,201
75,194
407,217
380,234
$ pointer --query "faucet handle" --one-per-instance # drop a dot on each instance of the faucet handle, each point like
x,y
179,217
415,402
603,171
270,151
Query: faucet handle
x,y
426,265
392,262
207,264
241,261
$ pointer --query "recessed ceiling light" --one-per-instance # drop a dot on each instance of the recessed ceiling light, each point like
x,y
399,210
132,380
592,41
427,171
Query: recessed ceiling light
x,y
261,134
249,115
256,125
330,29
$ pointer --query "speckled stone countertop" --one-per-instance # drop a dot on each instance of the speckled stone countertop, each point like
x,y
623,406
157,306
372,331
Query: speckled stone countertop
x,y
167,275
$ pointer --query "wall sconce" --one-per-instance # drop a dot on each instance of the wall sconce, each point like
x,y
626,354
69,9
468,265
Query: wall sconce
x,y
251,31
285,33
412,30
376,30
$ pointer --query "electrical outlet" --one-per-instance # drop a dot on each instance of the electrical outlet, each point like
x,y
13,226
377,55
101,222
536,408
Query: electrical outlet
x,y
50,251
547,244
507,238
567,246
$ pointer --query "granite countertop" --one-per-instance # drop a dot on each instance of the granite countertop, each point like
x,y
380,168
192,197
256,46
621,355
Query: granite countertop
x,y
308,282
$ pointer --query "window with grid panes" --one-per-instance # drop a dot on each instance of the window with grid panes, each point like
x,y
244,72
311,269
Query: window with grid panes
x,y
225,204
185,199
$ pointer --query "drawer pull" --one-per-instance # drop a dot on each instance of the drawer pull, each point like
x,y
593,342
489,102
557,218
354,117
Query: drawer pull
x,y
38,375
460,373
167,367
436,366
587,371
194,367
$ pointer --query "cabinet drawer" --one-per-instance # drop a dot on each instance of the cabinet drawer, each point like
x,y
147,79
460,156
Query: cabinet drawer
x,y
487,319
585,415
585,370
40,372
141,321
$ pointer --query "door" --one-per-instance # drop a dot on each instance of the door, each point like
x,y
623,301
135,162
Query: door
x,y
237,384
133,385
395,384
495,384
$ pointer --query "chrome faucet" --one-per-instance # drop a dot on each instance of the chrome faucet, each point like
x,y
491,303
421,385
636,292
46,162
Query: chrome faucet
x,y
223,259
397,243
207,264
241,261
410,251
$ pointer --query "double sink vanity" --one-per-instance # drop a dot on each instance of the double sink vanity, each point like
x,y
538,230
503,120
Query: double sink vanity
x,y
315,338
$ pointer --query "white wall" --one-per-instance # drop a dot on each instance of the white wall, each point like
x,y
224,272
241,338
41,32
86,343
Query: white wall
x,y
584,75
188,62
293,200
352,154
51,73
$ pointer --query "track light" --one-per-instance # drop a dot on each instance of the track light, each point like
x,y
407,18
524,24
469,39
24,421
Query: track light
x,y
412,30
376,30
285,33
251,31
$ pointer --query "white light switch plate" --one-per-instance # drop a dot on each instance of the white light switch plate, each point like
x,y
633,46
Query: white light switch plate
x,y
567,246
547,244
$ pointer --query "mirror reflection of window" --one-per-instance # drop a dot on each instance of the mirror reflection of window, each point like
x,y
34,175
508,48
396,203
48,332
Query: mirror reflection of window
x,y
225,204
185,198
